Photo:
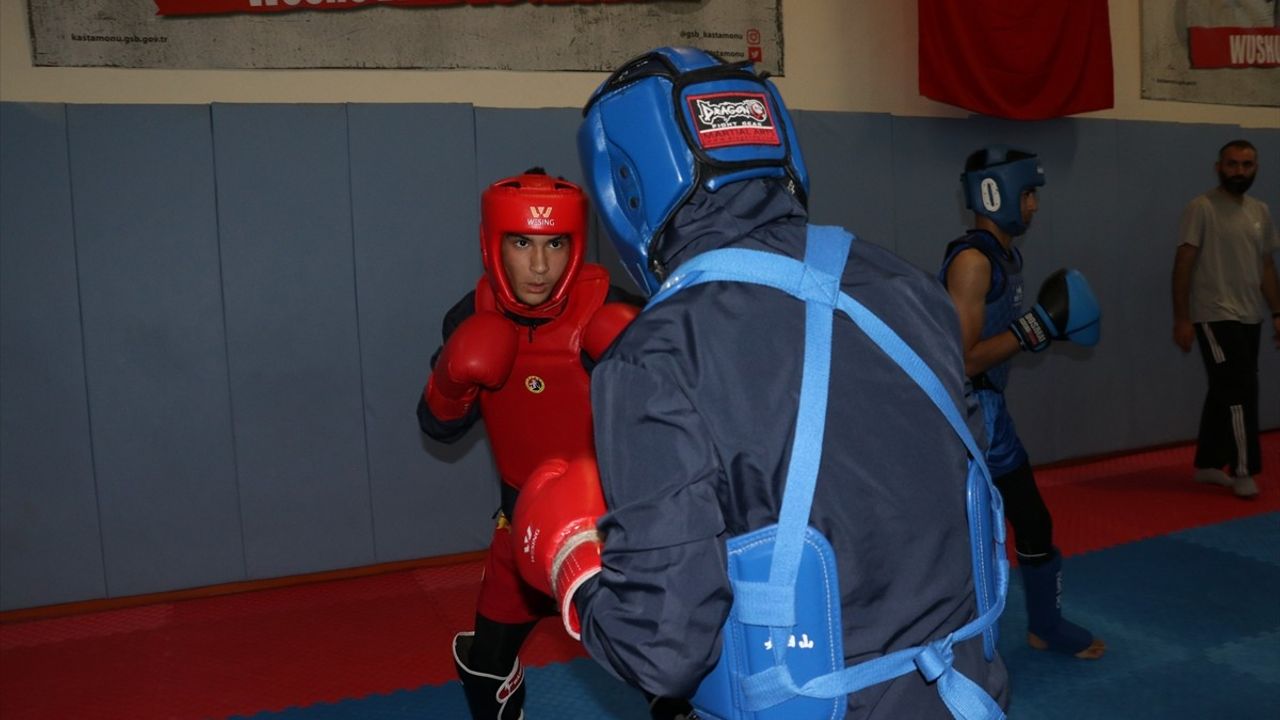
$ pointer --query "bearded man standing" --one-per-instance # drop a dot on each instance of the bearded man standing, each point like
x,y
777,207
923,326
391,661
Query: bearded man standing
x,y
1224,288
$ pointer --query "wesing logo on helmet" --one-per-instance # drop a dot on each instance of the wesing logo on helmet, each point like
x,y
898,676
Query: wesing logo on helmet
x,y
732,118
540,217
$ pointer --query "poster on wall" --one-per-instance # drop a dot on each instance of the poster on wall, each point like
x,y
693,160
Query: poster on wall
x,y
1211,52
588,35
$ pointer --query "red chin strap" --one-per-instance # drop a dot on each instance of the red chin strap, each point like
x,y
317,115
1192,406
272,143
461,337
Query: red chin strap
x,y
532,204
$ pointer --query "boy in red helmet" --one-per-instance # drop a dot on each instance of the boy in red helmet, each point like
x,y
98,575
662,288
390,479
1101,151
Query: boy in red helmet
x,y
516,353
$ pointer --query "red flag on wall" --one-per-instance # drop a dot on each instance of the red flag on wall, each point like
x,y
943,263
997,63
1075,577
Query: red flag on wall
x,y
1019,59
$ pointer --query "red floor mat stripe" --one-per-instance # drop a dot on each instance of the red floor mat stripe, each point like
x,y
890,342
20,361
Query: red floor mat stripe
x,y
268,650
250,652
1123,499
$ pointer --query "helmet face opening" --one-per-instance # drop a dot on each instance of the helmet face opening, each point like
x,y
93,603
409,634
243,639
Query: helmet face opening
x,y
668,123
995,182
532,204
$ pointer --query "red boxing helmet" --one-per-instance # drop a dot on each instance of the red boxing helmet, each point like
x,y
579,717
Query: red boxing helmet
x,y
532,204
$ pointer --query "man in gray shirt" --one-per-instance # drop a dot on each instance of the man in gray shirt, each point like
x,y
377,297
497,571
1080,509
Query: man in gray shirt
x,y
1224,289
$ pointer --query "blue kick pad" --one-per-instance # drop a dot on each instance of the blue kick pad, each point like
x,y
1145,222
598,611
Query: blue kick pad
x,y
1192,626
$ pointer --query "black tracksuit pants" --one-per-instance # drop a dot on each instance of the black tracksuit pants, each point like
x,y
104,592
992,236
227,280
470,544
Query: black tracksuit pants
x,y
1229,420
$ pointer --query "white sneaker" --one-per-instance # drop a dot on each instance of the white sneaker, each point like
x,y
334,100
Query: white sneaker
x,y
1244,487
1214,476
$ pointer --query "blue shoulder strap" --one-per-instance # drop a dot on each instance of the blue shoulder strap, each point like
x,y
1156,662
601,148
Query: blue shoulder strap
x,y
816,281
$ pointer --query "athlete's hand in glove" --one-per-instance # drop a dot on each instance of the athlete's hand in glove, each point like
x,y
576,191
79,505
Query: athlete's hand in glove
x,y
479,354
1065,309
555,531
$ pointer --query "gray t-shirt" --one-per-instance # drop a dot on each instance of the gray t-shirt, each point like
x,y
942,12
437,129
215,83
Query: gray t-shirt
x,y
1233,237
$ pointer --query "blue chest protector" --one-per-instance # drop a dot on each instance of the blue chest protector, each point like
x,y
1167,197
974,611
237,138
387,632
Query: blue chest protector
x,y
1003,300
783,656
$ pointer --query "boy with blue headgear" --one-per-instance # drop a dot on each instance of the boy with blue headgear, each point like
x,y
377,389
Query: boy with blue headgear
x,y
983,273
695,414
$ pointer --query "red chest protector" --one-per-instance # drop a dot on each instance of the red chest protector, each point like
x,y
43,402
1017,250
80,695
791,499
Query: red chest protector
x,y
544,408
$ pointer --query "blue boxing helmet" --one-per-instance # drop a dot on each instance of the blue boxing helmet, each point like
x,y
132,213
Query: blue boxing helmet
x,y
995,178
667,123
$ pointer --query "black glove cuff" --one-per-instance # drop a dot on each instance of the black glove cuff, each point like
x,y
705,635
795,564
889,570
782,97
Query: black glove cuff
x,y
1030,332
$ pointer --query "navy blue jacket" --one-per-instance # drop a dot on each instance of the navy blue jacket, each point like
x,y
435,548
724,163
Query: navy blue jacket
x,y
694,411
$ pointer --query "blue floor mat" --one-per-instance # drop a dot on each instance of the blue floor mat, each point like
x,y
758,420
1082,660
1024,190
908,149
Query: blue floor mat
x,y
1191,620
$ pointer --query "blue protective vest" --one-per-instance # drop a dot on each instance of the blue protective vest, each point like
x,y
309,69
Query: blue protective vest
x,y
1004,299
786,588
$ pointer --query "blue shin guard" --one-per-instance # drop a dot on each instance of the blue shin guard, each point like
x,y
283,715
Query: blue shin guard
x,y
1043,584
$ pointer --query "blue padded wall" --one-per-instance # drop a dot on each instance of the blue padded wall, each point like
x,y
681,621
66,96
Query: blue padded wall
x,y
1165,387
851,171
412,175
50,544
288,265
217,320
509,141
155,352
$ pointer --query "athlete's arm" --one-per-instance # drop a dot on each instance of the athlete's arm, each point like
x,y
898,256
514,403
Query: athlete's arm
x,y
1271,291
653,617
968,281
1183,262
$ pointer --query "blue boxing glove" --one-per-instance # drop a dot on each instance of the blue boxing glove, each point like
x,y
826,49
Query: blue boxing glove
x,y
1065,309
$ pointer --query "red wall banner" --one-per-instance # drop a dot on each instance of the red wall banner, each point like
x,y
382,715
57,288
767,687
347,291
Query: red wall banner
x,y
222,7
1234,47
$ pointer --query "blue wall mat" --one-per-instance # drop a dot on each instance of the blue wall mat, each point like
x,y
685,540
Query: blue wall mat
x,y
263,287
1076,228
1163,166
850,163
509,141
155,354
417,253
50,546
1267,188
284,214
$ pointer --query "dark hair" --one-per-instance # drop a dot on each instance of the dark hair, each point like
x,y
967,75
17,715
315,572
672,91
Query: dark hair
x,y
539,170
1237,144
978,160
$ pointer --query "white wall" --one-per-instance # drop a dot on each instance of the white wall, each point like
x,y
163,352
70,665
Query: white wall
x,y
822,38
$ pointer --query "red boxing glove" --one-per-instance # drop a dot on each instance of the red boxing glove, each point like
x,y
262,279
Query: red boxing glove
x,y
555,526
479,354
605,327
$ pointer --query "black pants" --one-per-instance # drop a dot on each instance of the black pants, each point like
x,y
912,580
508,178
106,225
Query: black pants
x,y
1229,420
1027,513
